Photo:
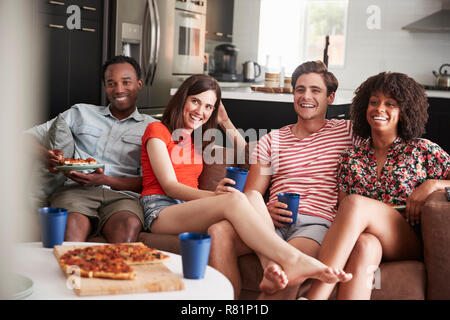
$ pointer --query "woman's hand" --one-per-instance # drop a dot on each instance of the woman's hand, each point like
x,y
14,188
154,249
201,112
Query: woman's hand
x,y
417,199
277,213
222,188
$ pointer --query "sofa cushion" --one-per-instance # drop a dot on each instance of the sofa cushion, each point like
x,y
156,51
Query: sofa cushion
x,y
58,137
400,280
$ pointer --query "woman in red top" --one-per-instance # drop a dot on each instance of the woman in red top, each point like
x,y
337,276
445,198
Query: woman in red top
x,y
382,183
172,202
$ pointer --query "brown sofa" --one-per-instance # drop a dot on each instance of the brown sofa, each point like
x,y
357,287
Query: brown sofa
x,y
411,280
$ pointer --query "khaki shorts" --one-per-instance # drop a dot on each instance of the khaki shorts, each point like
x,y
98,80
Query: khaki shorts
x,y
306,226
97,203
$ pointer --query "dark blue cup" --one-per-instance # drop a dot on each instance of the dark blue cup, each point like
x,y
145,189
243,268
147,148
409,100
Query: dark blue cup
x,y
239,176
194,253
292,200
53,225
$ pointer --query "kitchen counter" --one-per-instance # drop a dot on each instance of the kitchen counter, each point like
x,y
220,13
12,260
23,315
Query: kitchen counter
x,y
246,93
438,94
242,91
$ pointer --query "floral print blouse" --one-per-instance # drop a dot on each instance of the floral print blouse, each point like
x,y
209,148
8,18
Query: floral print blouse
x,y
408,164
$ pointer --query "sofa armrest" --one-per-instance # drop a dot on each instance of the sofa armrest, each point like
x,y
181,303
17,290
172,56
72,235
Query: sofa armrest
x,y
436,241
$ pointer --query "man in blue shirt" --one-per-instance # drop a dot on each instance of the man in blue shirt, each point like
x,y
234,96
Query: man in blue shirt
x,y
104,202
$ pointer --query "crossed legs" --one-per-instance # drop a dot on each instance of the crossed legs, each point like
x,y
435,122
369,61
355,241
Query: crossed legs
x,y
248,216
358,215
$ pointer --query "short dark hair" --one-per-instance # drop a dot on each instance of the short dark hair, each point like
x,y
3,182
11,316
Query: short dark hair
x,y
410,97
122,59
316,67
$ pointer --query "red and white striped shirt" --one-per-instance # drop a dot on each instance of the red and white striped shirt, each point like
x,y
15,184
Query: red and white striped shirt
x,y
308,166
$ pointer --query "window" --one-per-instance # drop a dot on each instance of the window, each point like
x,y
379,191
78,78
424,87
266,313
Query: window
x,y
296,31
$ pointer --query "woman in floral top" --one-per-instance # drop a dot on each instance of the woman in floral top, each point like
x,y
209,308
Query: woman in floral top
x,y
392,167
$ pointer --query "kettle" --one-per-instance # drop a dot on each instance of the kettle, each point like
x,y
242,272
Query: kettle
x,y
442,79
251,70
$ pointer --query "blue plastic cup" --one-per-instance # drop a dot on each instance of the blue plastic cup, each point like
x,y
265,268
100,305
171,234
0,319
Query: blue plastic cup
x,y
239,176
53,225
194,253
292,200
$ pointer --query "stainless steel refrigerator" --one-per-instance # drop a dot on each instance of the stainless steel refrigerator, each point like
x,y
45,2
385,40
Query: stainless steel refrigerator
x,y
167,38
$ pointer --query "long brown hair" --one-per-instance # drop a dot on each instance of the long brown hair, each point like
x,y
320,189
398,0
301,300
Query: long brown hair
x,y
173,114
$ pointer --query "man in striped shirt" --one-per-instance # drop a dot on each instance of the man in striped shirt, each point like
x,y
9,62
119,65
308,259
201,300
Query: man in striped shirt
x,y
299,158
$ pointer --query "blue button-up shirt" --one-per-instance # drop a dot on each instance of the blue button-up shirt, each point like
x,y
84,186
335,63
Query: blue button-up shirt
x,y
99,135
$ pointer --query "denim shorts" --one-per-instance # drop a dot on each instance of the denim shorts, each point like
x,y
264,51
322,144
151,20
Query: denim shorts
x,y
153,204
307,226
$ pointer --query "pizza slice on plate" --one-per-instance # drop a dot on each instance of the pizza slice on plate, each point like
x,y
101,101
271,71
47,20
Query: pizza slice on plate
x,y
77,162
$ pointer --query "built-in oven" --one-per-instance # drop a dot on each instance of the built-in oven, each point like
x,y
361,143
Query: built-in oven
x,y
189,42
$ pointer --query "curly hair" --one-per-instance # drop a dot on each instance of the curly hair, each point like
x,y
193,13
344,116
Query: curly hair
x,y
410,97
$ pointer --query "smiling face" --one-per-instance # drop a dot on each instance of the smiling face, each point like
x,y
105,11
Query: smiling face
x,y
122,88
310,97
198,109
383,113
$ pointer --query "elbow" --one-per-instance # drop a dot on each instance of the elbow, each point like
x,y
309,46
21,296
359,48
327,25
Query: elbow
x,y
169,188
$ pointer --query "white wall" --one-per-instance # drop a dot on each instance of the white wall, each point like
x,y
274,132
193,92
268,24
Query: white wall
x,y
19,89
246,30
368,52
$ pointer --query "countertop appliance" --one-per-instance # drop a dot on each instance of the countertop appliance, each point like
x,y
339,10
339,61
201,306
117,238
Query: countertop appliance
x,y
189,42
225,57
250,71
165,36
442,78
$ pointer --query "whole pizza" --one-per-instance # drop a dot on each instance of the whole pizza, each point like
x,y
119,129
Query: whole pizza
x,y
110,261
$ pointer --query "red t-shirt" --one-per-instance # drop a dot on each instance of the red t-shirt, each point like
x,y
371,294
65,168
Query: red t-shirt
x,y
186,160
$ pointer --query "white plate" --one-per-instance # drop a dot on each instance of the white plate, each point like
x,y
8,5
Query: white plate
x,y
19,287
79,167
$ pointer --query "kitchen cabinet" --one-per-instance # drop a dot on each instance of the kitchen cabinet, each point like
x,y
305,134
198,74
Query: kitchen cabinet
x,y
257,118
219,20
74,57
437,129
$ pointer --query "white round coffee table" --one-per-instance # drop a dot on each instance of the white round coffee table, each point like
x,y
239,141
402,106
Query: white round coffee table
x,y
39,264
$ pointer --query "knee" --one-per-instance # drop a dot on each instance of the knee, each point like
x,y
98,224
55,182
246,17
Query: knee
x,y
222,233
352,201
122,228
132,223
254,195
351,206
233,201
367,247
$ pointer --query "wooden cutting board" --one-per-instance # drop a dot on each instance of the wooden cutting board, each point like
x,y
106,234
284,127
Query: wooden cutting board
x,y
271,89
149,278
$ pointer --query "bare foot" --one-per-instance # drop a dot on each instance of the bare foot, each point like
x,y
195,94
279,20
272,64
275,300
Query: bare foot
x,y
274,279
307,267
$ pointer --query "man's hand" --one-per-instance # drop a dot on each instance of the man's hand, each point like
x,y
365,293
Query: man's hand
x,y
222,114
96,178
277,212
52,159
